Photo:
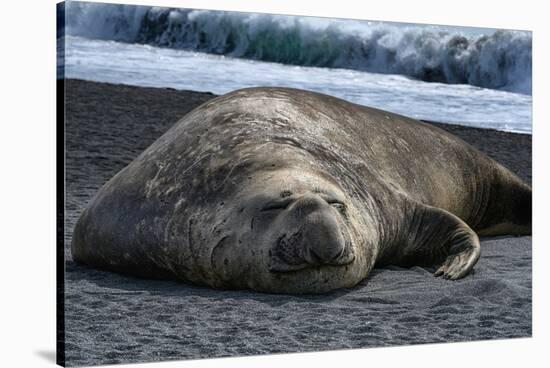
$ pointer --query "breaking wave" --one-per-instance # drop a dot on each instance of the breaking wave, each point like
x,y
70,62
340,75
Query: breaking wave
x,y
501,60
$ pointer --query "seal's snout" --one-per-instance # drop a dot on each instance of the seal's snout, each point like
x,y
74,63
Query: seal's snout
x,y
320,238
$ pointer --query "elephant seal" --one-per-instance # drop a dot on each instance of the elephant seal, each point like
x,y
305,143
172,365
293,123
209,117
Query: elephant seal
x,y
289,191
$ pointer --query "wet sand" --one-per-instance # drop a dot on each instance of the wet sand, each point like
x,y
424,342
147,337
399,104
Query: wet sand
x,y
110,318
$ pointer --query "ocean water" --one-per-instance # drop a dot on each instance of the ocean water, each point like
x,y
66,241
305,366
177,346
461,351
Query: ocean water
x,y
469,76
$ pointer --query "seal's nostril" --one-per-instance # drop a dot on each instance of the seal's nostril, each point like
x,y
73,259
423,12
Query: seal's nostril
x,y
319,256
313,257
293,253
338,255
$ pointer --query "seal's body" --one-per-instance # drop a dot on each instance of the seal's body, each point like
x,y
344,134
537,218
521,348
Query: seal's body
x,y
283,190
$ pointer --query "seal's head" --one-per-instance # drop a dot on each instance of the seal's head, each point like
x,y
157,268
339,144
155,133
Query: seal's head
x,y
292,231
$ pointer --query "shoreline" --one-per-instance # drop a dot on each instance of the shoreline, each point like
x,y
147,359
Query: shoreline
x,y
437,123
215,95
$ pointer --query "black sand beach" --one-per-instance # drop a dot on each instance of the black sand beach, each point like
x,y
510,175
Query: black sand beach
x,y
114,319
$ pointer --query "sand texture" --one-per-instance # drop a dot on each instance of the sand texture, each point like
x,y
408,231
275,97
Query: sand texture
x,y
112,318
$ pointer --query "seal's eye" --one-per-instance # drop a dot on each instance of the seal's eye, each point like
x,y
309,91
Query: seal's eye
x,y
338,205
277,205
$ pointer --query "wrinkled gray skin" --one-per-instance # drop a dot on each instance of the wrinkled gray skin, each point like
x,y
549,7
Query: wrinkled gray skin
x,y
289,191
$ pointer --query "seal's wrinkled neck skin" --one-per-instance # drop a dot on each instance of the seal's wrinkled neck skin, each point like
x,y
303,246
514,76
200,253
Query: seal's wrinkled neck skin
x,y
293,231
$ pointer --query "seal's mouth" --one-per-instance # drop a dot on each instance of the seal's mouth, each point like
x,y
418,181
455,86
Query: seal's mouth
x,y
294,253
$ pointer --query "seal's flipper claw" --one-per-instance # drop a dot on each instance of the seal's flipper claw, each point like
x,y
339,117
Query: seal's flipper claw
x,y
463,262
439,271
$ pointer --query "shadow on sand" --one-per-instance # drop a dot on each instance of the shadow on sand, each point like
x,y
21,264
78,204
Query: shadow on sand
x,y
117,284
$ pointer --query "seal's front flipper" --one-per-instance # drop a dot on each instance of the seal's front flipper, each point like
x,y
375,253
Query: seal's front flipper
x,y
463,254
433,236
